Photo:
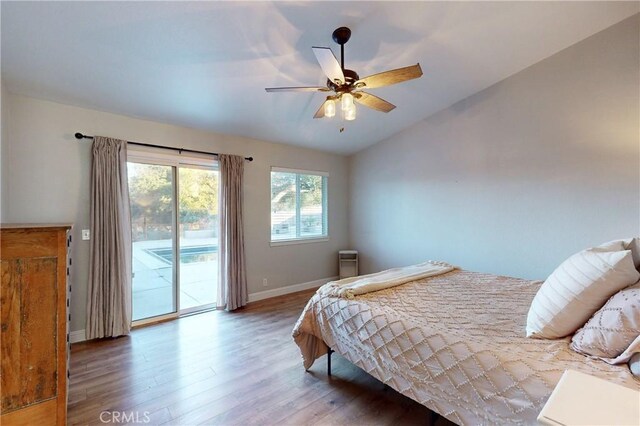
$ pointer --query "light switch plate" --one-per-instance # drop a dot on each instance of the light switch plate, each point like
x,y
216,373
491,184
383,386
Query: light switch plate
x,y
86,234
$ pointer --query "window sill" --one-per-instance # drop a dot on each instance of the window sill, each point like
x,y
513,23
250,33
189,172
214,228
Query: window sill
x,y
278,243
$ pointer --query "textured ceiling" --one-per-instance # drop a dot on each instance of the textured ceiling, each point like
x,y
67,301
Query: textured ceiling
x,y
205,64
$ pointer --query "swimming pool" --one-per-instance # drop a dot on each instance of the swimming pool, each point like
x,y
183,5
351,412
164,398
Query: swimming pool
x,y
193,254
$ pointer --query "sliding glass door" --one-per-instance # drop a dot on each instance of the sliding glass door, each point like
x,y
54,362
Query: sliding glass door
x,y
174,220
198,216
152,199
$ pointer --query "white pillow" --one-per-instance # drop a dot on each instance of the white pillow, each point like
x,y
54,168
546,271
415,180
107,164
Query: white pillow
x,y
632,244
615,245
577,289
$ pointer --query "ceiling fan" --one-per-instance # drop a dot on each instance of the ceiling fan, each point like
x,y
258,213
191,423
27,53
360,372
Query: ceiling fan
x,y
346,85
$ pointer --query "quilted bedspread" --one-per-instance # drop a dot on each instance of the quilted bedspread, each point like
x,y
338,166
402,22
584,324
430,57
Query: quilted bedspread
x,y
454,343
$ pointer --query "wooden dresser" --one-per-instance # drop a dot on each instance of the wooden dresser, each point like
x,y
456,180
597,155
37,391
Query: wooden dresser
x,y
34,324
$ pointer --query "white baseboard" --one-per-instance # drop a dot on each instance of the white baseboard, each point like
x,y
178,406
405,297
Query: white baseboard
x,y
267,294
80,336
77,336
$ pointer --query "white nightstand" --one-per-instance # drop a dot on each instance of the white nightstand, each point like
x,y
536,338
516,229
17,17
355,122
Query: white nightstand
x,y
581,399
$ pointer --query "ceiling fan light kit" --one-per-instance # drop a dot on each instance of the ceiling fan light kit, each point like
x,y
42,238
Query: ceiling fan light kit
x,y
347,84
330,107
346,100
350,113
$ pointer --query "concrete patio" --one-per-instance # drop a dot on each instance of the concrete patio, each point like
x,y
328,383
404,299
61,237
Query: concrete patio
x,y
153,292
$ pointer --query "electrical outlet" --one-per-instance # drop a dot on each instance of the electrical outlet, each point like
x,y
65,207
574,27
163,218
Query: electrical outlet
x,y
265,282
86,234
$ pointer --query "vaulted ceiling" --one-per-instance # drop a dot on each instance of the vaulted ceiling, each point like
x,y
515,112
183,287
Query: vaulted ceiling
x,y
206,64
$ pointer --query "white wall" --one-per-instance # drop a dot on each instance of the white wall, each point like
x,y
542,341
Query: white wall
x,y
4,132
48,174
515,178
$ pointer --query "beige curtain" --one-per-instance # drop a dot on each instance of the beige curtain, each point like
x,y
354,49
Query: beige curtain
x,y
232,281
109,292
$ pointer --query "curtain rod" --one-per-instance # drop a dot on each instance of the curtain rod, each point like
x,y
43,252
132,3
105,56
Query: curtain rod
x,y
180,150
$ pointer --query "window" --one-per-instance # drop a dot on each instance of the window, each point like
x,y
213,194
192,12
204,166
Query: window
x,y
298,205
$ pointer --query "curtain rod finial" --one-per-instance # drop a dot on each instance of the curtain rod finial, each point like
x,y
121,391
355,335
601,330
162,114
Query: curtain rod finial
x,y
79,135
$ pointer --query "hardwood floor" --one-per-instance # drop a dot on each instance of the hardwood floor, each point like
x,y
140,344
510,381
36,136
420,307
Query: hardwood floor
x,y
227,368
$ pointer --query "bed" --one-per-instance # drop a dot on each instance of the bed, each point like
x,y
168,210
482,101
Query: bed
x,y
454,343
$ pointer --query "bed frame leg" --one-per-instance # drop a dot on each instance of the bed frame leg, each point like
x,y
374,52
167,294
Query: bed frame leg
x,y
434,418
329,352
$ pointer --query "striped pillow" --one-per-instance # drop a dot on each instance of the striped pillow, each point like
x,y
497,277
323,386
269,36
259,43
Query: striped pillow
x,y
577,289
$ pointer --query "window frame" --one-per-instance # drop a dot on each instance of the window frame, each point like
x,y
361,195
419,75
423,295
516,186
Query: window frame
x,y
325,208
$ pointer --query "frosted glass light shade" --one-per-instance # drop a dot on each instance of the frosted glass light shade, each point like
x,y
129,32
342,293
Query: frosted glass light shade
x,y
347,101
350,114
330,108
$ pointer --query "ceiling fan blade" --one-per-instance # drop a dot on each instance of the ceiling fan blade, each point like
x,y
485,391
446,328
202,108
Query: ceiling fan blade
x,y
320,112
373,102
297,89
329,64
388,78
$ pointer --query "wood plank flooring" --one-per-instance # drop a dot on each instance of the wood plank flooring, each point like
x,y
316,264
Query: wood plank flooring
x,y
221,368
